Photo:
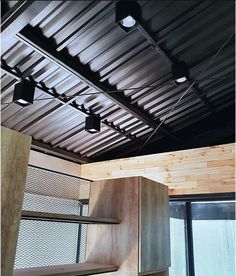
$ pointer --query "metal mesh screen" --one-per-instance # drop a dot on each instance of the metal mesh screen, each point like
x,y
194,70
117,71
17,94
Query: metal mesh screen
x,y
42,243
48,191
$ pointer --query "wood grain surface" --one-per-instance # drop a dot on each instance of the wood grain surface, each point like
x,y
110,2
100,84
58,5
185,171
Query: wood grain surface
x,y
140,243
193,171
66,270
154,227
15,149
66,218
115,244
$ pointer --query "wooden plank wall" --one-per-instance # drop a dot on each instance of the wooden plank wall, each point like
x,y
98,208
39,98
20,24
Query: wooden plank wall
x,y
194,171
15,149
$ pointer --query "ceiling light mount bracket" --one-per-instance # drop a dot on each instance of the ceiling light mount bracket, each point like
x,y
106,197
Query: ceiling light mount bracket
x,y
128,15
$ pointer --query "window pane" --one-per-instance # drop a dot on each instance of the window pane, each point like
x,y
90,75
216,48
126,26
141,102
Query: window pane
x,y
177,238
214,238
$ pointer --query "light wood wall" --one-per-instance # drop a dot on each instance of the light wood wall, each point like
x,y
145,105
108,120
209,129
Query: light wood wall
x,y
194,171
15,149
53,163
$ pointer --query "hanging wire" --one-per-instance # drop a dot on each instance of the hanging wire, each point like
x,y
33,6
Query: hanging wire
x,y
186,91
117,91
99,93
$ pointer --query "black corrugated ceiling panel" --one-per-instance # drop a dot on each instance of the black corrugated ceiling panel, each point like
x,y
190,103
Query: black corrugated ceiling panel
x,y
191,31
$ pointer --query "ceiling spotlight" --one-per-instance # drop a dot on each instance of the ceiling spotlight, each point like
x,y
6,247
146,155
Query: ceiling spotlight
x,y
180,72
23,94
92,123
128,13
128,22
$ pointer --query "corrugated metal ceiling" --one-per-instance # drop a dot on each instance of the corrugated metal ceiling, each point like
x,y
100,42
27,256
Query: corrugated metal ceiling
x,y
191,31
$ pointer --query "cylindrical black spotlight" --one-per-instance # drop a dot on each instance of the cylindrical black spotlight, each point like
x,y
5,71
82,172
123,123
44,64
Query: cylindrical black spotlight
x,y
180,72
23,94
128,13
92,123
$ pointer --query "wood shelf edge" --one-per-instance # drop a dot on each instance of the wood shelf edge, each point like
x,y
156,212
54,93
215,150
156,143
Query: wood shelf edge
x,y
66,270
32,215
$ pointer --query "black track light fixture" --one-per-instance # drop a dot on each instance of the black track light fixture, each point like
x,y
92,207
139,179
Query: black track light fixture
x,y
128,14
180,72
23,94
93,123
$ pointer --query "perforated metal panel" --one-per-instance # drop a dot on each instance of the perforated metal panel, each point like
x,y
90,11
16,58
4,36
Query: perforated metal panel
x,y
42,243
48,183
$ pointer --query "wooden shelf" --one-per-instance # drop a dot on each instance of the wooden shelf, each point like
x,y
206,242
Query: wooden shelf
x,y
66,218
67,270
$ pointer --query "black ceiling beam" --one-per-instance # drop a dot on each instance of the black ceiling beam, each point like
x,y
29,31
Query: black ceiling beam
x,y
17,18
15,73
112,139
47,47
127,133
48,149
142,28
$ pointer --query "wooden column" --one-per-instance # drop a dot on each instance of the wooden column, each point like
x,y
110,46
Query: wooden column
x,y
140,244
15,149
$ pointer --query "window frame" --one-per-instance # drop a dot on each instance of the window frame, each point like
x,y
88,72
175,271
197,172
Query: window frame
x,y
188,199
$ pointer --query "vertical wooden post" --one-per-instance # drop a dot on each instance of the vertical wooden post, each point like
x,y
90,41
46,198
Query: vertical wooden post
x,y
15,148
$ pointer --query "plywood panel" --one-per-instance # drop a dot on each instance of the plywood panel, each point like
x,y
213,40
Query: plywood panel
x,y
67,218
185,172
154,253
66,270
15,149
139,245
115,244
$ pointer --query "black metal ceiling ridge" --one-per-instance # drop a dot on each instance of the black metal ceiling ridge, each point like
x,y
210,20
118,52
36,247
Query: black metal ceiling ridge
x,y
163,53
131,148
17,75
34,38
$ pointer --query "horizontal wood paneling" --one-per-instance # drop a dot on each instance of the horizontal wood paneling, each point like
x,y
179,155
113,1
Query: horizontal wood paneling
x,y
202,170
